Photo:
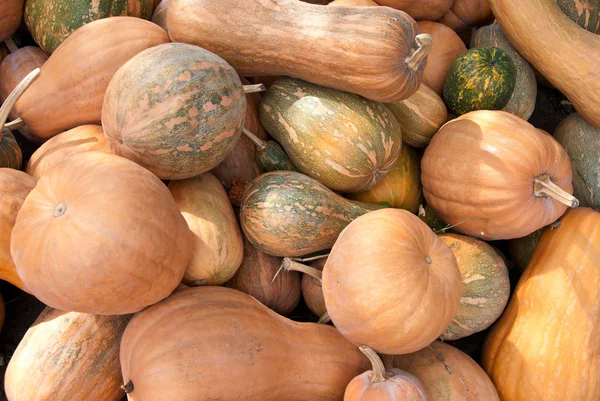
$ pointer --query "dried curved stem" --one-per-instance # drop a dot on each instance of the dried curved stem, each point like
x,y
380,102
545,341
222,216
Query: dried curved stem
x,y
311,258
15,124
254,88
424,41
290,265
324,319
378,374
11,45
259,142
543,187
10,101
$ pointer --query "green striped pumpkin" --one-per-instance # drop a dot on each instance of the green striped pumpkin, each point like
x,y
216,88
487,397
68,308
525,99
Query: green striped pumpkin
x,y
286,213
175,109
52,21
344,141
585,13
480,79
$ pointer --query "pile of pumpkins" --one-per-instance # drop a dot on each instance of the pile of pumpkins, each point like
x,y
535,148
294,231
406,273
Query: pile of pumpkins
x,y
201,165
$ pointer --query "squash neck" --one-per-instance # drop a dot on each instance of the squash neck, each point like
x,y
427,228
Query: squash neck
x,y
543,187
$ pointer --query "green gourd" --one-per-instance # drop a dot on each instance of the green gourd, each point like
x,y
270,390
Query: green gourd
x,y
270,156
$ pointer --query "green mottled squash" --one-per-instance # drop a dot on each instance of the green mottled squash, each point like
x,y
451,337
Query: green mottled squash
x,y
522,100
420,116
586,13
285,213
486,286
582,143
344,141
401,187
270,156
183,115
52,21
480,79
521,249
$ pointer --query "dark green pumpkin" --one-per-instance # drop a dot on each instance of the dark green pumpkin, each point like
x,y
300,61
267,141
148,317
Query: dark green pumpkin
x,y
52,21
428,216
521,249
286,213
585,13
480,79
582,143
10,152
344,141
273,158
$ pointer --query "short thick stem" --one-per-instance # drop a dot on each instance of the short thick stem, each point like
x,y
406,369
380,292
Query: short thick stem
x,y
254,88
424,41
288,264
260,144
543,187
10,101
128,387
379,373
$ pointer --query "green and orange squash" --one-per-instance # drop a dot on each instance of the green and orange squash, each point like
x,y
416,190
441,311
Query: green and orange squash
x,y
52,21
286,213
346,142
67,356
184,115
585,13
480,79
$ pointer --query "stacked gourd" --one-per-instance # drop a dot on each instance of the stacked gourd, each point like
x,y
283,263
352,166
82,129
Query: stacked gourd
x,y
172,215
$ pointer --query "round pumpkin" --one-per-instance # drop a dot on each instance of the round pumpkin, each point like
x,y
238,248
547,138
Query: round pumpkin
x,y
15,185
63,146
11,155
10,17
447,46
52,21
255,278
391,283
159,17
585,13
522,248
400,188
67,356
381,385
467,14
480,79
582,143
496,175
100,234
420,116
217,247
486,286
183,115
429,10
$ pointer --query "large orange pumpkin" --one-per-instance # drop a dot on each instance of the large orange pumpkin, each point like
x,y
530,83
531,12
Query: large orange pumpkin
x,y
100,234
10,17
391,283
496,176
545,346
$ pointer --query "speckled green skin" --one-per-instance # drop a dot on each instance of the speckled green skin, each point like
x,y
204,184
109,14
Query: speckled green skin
x,y
273,158
344,141
480,79
52,21
285,213
585,13
582,142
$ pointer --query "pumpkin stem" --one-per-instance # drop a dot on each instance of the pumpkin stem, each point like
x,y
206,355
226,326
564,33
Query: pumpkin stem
x,y
128,387
254,88
543,187
424,41
310,259
378,374
260,144
10,101
15,124
11,45
288,264
324,319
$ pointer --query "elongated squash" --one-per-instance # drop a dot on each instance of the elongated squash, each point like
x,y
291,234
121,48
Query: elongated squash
x,y
346,142
327,46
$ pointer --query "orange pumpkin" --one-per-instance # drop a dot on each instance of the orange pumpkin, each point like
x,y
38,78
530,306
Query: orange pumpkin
x,y
545,346
10,17
391,283
429,10
107,232
159,17
467,14
496,175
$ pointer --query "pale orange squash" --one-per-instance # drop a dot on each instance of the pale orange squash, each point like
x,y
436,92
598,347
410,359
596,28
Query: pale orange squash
x,y
10,17
467,14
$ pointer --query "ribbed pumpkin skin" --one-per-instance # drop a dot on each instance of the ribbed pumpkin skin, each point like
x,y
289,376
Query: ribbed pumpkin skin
x,y
209,334
402,386
481,167
467,14
586,13
401,187
254,278
521,249
312,292
447,46
285,213
15,186
77,140
159,17
560,359
118,246
429,10
10,18
456,378
390,283
522,100
420,116
67,356
327,46
92,55
183,116
346,142
10,152
486,286
52,21
217,247
582,142
480,79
